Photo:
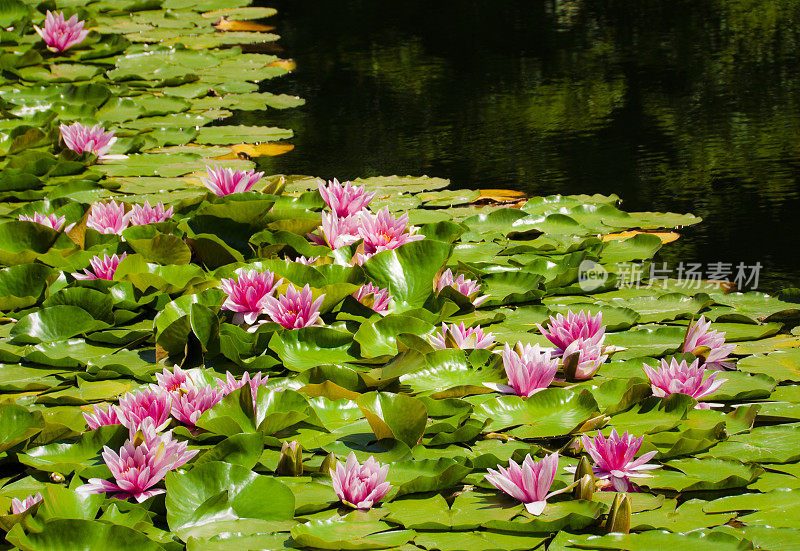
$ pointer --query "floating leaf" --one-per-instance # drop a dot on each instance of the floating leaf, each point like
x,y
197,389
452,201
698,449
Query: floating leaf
x,y
551,412
394,416
55,323
336,533
221,491
63,534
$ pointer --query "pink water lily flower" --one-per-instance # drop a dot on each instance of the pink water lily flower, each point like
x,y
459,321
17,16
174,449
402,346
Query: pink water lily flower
x,y
176,380
673,377
529,482
88,139
103,268
336,231
109,217
563,331
246,293
345,199
147,435
102,417
374,297
614,458
150,403
187,407
224,181
294,309
589,357
49,220
142,462
230,384
458,336
360,486
142,215
59,34
383,232
698,335
18,507
467,287
530,369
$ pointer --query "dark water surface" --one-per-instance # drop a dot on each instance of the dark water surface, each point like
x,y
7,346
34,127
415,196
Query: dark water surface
x,y
687,106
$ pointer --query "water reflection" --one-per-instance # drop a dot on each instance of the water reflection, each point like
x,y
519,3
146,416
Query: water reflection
x,y
684,106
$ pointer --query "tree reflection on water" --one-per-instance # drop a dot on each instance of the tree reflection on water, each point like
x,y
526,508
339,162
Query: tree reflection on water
x,y
684,106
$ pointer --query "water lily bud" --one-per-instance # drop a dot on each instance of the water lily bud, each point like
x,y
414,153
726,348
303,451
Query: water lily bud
x,y
574,445
58,478
585,488
328,464
610,349
619,517
291,461
584,468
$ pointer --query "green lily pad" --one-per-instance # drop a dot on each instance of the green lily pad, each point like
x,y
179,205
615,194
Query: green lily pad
x,y
213,489
551,412
338,533
776,444
68,534
308,347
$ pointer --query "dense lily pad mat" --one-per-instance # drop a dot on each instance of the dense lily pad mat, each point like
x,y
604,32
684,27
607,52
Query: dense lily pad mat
x,y
162,76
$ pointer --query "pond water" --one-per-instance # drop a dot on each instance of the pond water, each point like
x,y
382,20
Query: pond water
x,y
687,106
